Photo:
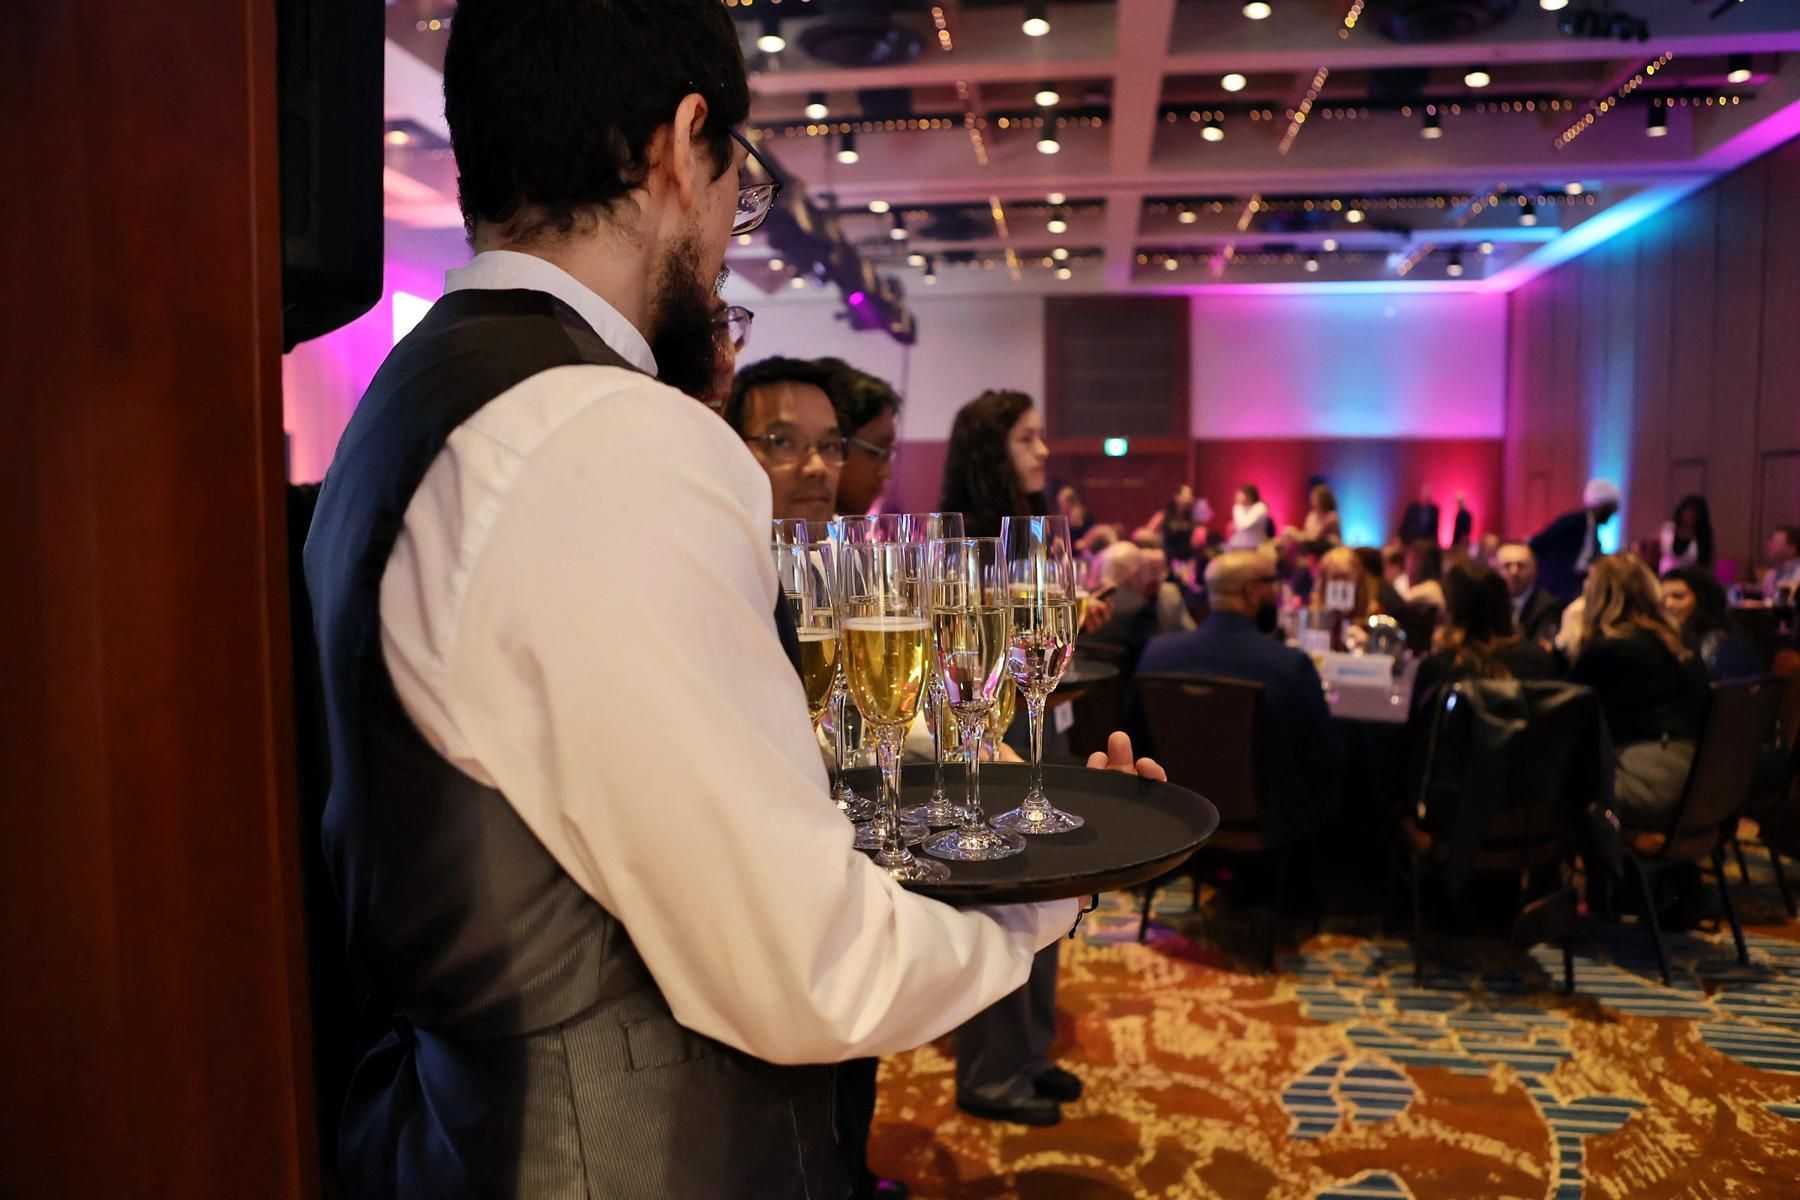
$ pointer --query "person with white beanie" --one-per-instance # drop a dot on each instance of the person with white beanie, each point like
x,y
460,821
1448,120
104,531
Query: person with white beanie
x,y
1566,546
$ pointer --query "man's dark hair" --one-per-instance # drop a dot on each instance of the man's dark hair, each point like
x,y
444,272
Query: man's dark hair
x,y
1792,533
771,371
552,103
858,396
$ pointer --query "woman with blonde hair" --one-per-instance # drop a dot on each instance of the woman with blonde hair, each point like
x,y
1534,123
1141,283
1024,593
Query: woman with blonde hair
x,y
1651,687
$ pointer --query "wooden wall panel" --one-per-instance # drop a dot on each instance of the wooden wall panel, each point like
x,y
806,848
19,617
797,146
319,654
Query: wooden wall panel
x,y
1674,349
152,1022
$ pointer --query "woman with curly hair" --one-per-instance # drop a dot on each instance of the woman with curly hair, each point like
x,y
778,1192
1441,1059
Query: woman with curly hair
x,y
995,466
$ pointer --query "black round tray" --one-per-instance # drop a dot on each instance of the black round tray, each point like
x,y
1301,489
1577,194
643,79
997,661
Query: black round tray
x,y
1083,672
1135,831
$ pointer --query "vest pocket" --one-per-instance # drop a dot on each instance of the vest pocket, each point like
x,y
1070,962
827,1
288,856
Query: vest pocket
x,y
662,1042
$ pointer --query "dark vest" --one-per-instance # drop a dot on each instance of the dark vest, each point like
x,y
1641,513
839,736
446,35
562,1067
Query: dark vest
x,y
522,1047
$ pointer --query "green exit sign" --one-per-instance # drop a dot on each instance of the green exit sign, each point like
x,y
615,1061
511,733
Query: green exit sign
x,y
1115,447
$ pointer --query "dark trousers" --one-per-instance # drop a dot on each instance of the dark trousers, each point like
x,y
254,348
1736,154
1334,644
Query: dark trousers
x,y
855,1115
1001,1050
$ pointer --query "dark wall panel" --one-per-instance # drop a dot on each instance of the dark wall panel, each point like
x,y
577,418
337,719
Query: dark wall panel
x,y
1669,356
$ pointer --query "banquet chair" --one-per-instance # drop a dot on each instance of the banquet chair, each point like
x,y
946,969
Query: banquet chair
x,y
1096,712
1738,718
1205,733
1502,769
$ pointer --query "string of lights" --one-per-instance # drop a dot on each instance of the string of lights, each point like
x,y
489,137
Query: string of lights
x,y
1610,102
1297,117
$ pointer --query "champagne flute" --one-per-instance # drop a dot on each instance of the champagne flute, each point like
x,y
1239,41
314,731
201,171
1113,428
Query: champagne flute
x,y
806,575
845,532
938,809
970,627
789,531
883,619
1040,582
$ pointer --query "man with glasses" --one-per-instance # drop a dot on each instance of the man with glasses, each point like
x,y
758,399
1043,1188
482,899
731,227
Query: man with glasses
x,y
1298,754
609,922
780,408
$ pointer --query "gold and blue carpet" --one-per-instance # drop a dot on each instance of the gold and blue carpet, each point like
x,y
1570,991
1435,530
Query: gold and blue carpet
x,y
1336,1078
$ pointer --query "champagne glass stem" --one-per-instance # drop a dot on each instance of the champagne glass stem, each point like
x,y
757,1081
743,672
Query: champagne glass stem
x,y
972,727
1034,712
887,751
935,700
839,697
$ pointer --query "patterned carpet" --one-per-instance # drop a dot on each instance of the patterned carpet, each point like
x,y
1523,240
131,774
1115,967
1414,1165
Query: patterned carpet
x,y
1335,1078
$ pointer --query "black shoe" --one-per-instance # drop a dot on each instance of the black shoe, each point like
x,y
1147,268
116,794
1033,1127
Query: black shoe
x,y
1039,1110
1059,1085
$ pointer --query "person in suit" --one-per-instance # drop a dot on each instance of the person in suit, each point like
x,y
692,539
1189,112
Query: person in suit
x,y
1566,546
1300,757
1536,613
1420,523
1463,528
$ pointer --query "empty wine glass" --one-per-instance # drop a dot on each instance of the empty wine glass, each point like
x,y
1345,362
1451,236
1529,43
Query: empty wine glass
x,y
970,627
1040,584
883,621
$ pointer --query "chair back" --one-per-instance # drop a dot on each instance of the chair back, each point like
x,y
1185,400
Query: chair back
x,y
1418,622
1506,766
1205,731
1096,713
1740,717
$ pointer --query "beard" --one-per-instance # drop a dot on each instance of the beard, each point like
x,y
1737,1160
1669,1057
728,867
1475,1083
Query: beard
x,y
685,340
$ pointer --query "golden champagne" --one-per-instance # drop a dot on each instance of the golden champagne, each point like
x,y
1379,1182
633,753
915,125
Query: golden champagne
x,y
818,665
1081,608
1002,717
969,648
1043,642
884,664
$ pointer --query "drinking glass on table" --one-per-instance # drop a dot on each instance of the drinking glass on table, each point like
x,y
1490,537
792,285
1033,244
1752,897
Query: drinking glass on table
x,y
970,627
938,810
1040,584
884,623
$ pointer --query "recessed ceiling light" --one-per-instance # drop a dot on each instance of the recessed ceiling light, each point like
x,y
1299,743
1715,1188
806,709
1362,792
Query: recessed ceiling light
x,y
1477,77
898,232
775,264
1528,213
1353,215
745,239
1186,215
1738,68
1064,273
915,259
1487,247
1212,131
879,207
1169,264
816,108
398,137
1657,123
1047,144
930,269
1455,269
1047,97
1037,20
1553,5
1258,10
1057,222
1057,198
798,281
1059,254
1312,264
771,41
1329,245
1431,127
1233,82
847,150
1573,189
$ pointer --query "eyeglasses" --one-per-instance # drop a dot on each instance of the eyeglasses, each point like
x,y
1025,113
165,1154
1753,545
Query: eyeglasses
x,y
786,449
756,199
736,321
881,454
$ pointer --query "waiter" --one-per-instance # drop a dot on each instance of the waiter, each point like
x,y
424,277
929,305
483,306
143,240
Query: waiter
x,y
609,922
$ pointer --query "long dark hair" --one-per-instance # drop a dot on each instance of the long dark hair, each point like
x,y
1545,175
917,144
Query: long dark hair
x,y
1478,612
1710,610
979,479
1703,533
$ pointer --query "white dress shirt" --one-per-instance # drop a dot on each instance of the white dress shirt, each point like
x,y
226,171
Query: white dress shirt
x,y
579,614
1247,528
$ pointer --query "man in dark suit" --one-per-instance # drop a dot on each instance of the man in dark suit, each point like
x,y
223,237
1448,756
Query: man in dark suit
x,y
1421,520
1299,756
1566,546
1536,613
